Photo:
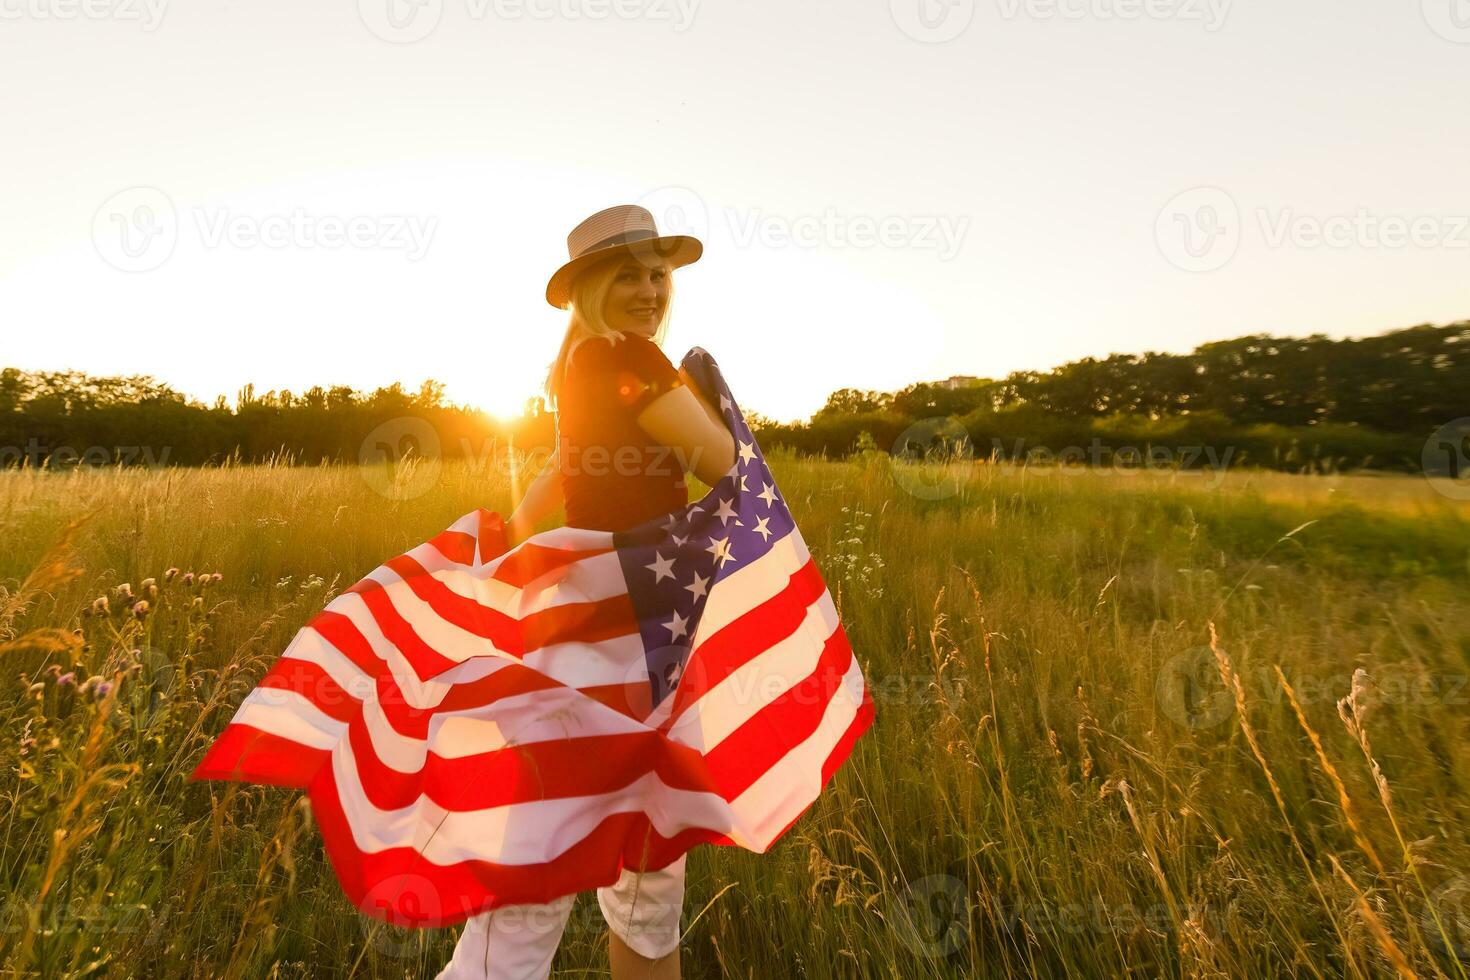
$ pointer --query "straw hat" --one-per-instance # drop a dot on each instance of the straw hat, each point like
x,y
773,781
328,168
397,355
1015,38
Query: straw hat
x,y
624,228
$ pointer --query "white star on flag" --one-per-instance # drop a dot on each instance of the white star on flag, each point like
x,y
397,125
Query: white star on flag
x,y
720,548
697,587
662,567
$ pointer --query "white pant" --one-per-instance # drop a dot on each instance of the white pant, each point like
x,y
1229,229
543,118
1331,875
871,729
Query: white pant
x,y
518,942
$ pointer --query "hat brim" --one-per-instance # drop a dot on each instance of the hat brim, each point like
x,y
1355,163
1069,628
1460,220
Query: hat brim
x,y
677,250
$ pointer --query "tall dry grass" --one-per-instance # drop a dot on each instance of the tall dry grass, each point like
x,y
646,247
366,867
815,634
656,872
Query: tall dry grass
x,y
1127,725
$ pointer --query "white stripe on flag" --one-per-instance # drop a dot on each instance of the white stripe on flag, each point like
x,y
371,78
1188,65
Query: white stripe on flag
x,y
519,833
789,787
290,716
757,683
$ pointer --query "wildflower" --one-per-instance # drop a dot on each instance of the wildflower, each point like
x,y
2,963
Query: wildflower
x,y
188,578
198,603
104,688
37,690
140,608
148,583
168,575
68,679
124,591
100,606
53,671
216,577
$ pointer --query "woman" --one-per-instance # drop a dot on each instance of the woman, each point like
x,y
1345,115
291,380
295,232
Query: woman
x,y
629,424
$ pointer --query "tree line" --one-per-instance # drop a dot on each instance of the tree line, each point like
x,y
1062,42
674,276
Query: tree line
x,y
1286,403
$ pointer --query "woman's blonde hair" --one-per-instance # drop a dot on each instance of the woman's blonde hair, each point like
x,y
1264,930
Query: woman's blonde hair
x,y
589,293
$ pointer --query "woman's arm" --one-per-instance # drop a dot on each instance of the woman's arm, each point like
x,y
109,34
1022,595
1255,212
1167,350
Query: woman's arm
x,y
542,499
684,419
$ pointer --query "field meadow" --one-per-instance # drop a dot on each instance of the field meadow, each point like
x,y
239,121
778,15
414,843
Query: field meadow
x,y
1129,723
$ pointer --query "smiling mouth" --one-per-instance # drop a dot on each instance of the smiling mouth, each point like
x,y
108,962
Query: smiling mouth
x,y
646,311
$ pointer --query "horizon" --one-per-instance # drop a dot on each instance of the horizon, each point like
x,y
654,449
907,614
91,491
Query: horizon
x,y
233,403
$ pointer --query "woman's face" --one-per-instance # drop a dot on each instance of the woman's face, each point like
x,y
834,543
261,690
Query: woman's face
x,y
638,297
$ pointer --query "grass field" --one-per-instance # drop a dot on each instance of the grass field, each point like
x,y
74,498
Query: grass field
x,y
1058,782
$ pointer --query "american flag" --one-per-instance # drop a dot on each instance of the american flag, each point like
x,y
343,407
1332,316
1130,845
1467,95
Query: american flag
x,y
479,727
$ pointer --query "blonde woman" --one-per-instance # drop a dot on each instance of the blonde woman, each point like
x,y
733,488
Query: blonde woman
x,y
629,427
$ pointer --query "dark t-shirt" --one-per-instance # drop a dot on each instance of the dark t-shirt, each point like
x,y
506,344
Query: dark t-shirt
x,y
614,475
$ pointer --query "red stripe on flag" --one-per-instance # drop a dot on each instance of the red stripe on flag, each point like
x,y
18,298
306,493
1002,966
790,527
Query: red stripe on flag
x,y
747,637
492,535
312,682
531,561
249,755
456,546
550,770
398,885
860,724
791,718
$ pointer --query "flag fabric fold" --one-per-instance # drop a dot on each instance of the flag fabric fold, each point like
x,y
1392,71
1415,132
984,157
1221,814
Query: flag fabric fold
x,y
479,726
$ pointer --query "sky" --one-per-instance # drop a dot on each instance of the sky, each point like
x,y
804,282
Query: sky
x,y
360,192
